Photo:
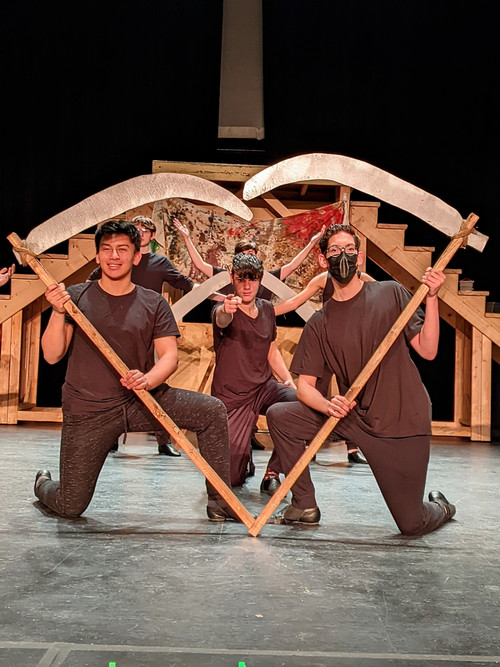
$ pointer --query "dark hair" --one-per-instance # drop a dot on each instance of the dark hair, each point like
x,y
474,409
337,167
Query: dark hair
x,y
336,229
241,246
147,223
247,266
114,227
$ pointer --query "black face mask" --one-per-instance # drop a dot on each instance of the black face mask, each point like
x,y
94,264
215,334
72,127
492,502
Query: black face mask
x,y
342,268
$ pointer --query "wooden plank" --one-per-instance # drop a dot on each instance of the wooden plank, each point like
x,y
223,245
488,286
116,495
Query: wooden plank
x,y
14,368
5,369
40,415
461,384
216,171
450,429
480,387
30,352
276,206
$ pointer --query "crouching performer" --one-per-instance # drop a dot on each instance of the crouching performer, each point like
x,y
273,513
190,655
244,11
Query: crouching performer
x,y
391,420
98,405
246,355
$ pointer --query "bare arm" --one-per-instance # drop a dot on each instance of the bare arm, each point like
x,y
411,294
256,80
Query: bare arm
x,y
426,342
6,274
58,333
298,259
337,407
278,365
196,258
168,359
316,283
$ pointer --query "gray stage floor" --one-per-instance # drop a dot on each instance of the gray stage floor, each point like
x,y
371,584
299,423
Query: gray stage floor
x,y
144,579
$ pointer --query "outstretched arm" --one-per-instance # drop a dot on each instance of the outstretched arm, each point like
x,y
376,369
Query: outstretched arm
x,y
316,283
278,365
289,268
426,342
196,258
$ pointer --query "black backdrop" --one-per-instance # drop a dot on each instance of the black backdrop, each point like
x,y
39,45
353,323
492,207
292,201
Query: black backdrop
x,y
93,92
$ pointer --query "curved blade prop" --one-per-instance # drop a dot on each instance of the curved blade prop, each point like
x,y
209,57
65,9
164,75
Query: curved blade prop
x,y
366,178
284,292
117,199
199,294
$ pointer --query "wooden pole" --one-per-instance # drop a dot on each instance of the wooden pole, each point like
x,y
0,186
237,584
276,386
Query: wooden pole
x,y
152,405
362,378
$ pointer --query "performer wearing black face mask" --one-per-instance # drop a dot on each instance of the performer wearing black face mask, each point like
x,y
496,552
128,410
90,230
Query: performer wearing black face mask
x,y
343,266
392,430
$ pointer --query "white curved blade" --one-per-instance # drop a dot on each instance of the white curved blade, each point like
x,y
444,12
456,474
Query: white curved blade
x,y
366,178
125,196
284,292
199,294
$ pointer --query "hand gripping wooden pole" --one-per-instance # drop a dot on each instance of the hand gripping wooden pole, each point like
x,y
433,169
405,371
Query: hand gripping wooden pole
x,y
152,405
363,377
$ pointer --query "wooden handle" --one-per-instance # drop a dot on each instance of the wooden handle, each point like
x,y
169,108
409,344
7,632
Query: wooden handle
x,y
362,378
153,406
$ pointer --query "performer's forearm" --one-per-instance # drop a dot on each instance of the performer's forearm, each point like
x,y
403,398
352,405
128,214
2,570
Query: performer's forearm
x,y
222,318
161,371
311,397
56,338
429,334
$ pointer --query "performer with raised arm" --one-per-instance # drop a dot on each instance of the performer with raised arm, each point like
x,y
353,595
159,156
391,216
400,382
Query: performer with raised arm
x,y
246,356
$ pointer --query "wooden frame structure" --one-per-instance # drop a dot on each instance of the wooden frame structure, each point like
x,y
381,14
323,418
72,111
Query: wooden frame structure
x,y
477,331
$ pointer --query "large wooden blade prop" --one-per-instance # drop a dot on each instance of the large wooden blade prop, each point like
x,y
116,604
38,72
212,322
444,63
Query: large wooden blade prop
x,y
362,378
366,178
117,199
152,405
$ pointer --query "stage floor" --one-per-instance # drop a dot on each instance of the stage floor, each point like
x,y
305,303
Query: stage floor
x,y
144,579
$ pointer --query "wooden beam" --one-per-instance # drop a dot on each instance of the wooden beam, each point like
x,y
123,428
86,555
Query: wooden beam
x,y
480,387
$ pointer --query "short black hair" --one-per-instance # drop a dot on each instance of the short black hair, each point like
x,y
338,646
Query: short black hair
x,y
247,266
114,227
243,245
336,229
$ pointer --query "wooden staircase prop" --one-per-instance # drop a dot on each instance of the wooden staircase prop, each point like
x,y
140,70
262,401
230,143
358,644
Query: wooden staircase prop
x,y
20,329
477,332
477,339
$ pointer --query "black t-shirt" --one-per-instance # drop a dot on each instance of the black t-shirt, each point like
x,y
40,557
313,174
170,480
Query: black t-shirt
x,y
241,350
342,337
152,271
129,323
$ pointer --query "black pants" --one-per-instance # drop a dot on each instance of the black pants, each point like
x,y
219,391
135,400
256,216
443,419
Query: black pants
x,y
398,464
86,440
242,420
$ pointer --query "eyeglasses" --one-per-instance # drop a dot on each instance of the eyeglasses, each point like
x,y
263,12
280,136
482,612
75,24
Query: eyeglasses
x,y
143,230
335,250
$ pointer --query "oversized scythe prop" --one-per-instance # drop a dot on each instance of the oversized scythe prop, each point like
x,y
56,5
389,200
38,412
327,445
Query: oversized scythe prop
x,y
458,240
107,204
366,178
125,196
152,405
